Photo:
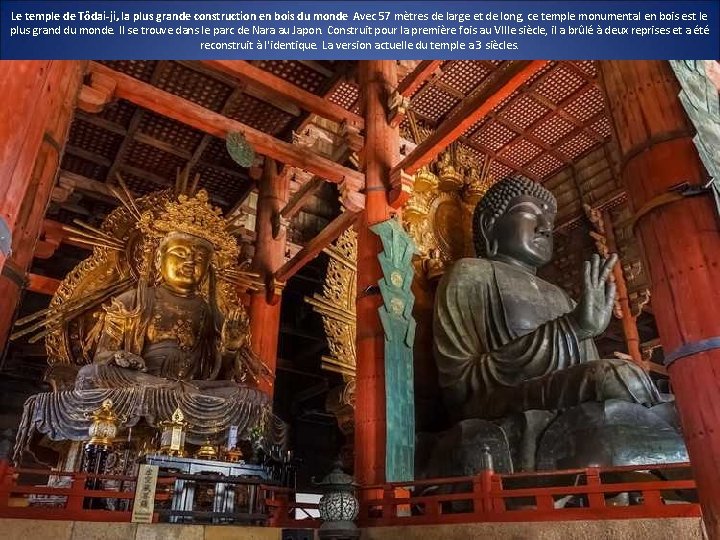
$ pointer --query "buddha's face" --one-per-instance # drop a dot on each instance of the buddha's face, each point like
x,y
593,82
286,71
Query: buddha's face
x,y
184,262
524,232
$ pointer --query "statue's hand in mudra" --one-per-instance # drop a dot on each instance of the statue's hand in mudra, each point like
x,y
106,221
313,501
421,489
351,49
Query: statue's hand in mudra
x,y
129,360
592,314
233,334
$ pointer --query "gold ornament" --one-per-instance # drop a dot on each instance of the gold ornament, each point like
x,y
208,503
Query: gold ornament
x,y
337,305
172,438
104,425
206,451
438,213
194,216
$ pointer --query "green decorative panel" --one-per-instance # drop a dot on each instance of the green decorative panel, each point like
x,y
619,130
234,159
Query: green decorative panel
x,y
399,326
699,97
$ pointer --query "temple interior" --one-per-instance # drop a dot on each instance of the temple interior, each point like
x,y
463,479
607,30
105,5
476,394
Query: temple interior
x,y
339,196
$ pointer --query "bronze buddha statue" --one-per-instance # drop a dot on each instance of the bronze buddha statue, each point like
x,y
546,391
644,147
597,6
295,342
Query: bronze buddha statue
x,y
511,348
508,341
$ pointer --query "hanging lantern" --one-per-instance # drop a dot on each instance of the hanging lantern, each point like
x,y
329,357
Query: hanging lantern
x,y
104,425
172,439
240,149
338,506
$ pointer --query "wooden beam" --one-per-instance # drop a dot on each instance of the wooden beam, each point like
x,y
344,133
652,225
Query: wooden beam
x,y
187,112
133,127
474,108
523,169
414,80
100,122
313,248
254,76
87,155
42,284
301,197
98,190
281,104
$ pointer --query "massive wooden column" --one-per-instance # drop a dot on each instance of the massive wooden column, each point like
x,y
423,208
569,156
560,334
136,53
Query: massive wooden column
x,y
381,152
35,113
269,256
681,236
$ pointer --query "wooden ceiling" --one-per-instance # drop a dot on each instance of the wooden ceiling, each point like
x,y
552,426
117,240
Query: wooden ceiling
x,y
551,126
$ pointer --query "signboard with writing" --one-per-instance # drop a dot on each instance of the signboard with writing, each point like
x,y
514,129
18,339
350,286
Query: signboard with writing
x,y
145,494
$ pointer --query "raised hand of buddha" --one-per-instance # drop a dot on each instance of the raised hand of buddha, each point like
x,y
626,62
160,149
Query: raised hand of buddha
x,y
592,314
232,335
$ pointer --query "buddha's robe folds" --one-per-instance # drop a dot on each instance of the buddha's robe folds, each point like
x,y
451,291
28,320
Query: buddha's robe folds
x,y
504,344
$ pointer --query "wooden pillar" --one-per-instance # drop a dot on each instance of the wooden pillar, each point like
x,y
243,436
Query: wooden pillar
x,y
377,79
682,247
273,193
35,114
629,321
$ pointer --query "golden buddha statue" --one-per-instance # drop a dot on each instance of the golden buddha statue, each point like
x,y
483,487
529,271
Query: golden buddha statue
x,y
153,321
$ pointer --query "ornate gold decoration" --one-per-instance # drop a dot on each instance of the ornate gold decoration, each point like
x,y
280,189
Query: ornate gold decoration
x,y
600,238
196,217
207,451
104,425
124,250
233,455
438,213
336,304
172,438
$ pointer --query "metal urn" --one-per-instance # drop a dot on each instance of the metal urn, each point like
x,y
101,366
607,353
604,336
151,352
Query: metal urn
x,y
338,506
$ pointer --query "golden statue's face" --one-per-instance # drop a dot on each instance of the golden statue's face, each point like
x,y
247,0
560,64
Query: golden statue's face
x,y
184,263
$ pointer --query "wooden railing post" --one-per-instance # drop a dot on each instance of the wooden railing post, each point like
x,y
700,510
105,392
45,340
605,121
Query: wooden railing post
x,y
595,500
76,497
6,482
496,489
388,504
482,485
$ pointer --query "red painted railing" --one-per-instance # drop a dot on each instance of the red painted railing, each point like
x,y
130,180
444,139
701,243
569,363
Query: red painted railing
x,y
283,509
25,493
654,491
657,491
22,495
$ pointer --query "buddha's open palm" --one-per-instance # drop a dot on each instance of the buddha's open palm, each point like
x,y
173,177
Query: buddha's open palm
x,y
233,334
592,314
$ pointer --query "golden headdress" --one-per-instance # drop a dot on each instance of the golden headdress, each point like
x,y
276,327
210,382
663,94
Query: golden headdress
x,y
195,216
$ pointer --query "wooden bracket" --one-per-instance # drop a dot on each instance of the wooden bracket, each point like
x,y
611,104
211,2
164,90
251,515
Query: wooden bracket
x,y
350,195
279,225
398,106
274,290
352,137
401,187
95,96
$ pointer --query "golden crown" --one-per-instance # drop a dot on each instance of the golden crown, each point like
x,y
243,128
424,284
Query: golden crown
x,y
193,215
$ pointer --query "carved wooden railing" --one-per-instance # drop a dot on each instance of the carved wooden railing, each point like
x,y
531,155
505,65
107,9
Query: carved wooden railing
x,y
657,491
26,493
581,494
